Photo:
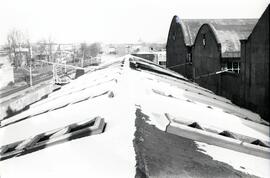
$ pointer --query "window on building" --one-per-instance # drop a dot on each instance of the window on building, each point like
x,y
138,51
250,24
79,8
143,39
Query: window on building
x,y
189,59
174,35
236,67
204,41
229,66
232,67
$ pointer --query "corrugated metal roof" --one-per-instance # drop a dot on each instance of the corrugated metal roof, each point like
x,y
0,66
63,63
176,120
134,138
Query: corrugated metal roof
x,y
190,28
228,32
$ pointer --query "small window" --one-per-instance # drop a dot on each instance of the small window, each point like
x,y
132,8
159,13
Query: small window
x,y
189,59
204,40
229,66
236,67
232,67
174,35
224,66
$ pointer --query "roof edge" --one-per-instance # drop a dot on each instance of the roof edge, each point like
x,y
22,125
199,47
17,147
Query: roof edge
x,y
212,29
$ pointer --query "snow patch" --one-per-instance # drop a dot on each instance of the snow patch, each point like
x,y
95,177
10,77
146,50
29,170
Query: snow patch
x,y
240,161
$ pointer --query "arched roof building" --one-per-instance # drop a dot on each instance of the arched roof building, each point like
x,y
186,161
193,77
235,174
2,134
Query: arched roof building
x,y
217,47
204,49
183,33
181,36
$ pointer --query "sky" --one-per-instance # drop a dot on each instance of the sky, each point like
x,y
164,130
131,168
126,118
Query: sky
x,y
113,21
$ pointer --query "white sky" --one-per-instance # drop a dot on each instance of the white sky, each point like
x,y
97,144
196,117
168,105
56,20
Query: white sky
x,y
113,21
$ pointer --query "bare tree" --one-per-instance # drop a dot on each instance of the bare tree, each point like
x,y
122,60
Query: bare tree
x,y
16,39
41,47
95,49
45,47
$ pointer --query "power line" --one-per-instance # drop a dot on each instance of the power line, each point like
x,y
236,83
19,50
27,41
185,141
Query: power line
x,y
65,65
210,74
179,65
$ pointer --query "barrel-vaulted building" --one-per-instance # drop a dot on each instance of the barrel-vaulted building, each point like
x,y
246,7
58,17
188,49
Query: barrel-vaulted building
x,y
198,48
181,36
255,67
217,48
228,56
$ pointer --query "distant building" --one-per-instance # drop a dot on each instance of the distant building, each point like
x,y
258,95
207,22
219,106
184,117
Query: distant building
x,y
53,51
111,50
161,58
255,67
21,56
158,57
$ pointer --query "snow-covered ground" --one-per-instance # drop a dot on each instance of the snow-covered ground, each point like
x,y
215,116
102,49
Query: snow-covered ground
x,y
114,92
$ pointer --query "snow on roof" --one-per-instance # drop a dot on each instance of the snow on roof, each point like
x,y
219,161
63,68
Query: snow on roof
x,y
136,98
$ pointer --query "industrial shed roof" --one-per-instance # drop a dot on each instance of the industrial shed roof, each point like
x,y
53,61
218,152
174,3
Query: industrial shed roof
x,y
158,124
228,32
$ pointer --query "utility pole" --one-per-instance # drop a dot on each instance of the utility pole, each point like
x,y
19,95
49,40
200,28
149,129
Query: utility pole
x,y
30,63
20,54
30,73
82,58
54,73
73,56
50,52
30,70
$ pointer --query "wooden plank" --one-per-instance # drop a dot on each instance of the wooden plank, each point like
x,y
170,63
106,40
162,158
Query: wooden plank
x,y
218,140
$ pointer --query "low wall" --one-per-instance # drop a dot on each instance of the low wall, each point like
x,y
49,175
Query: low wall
x,y
23,99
